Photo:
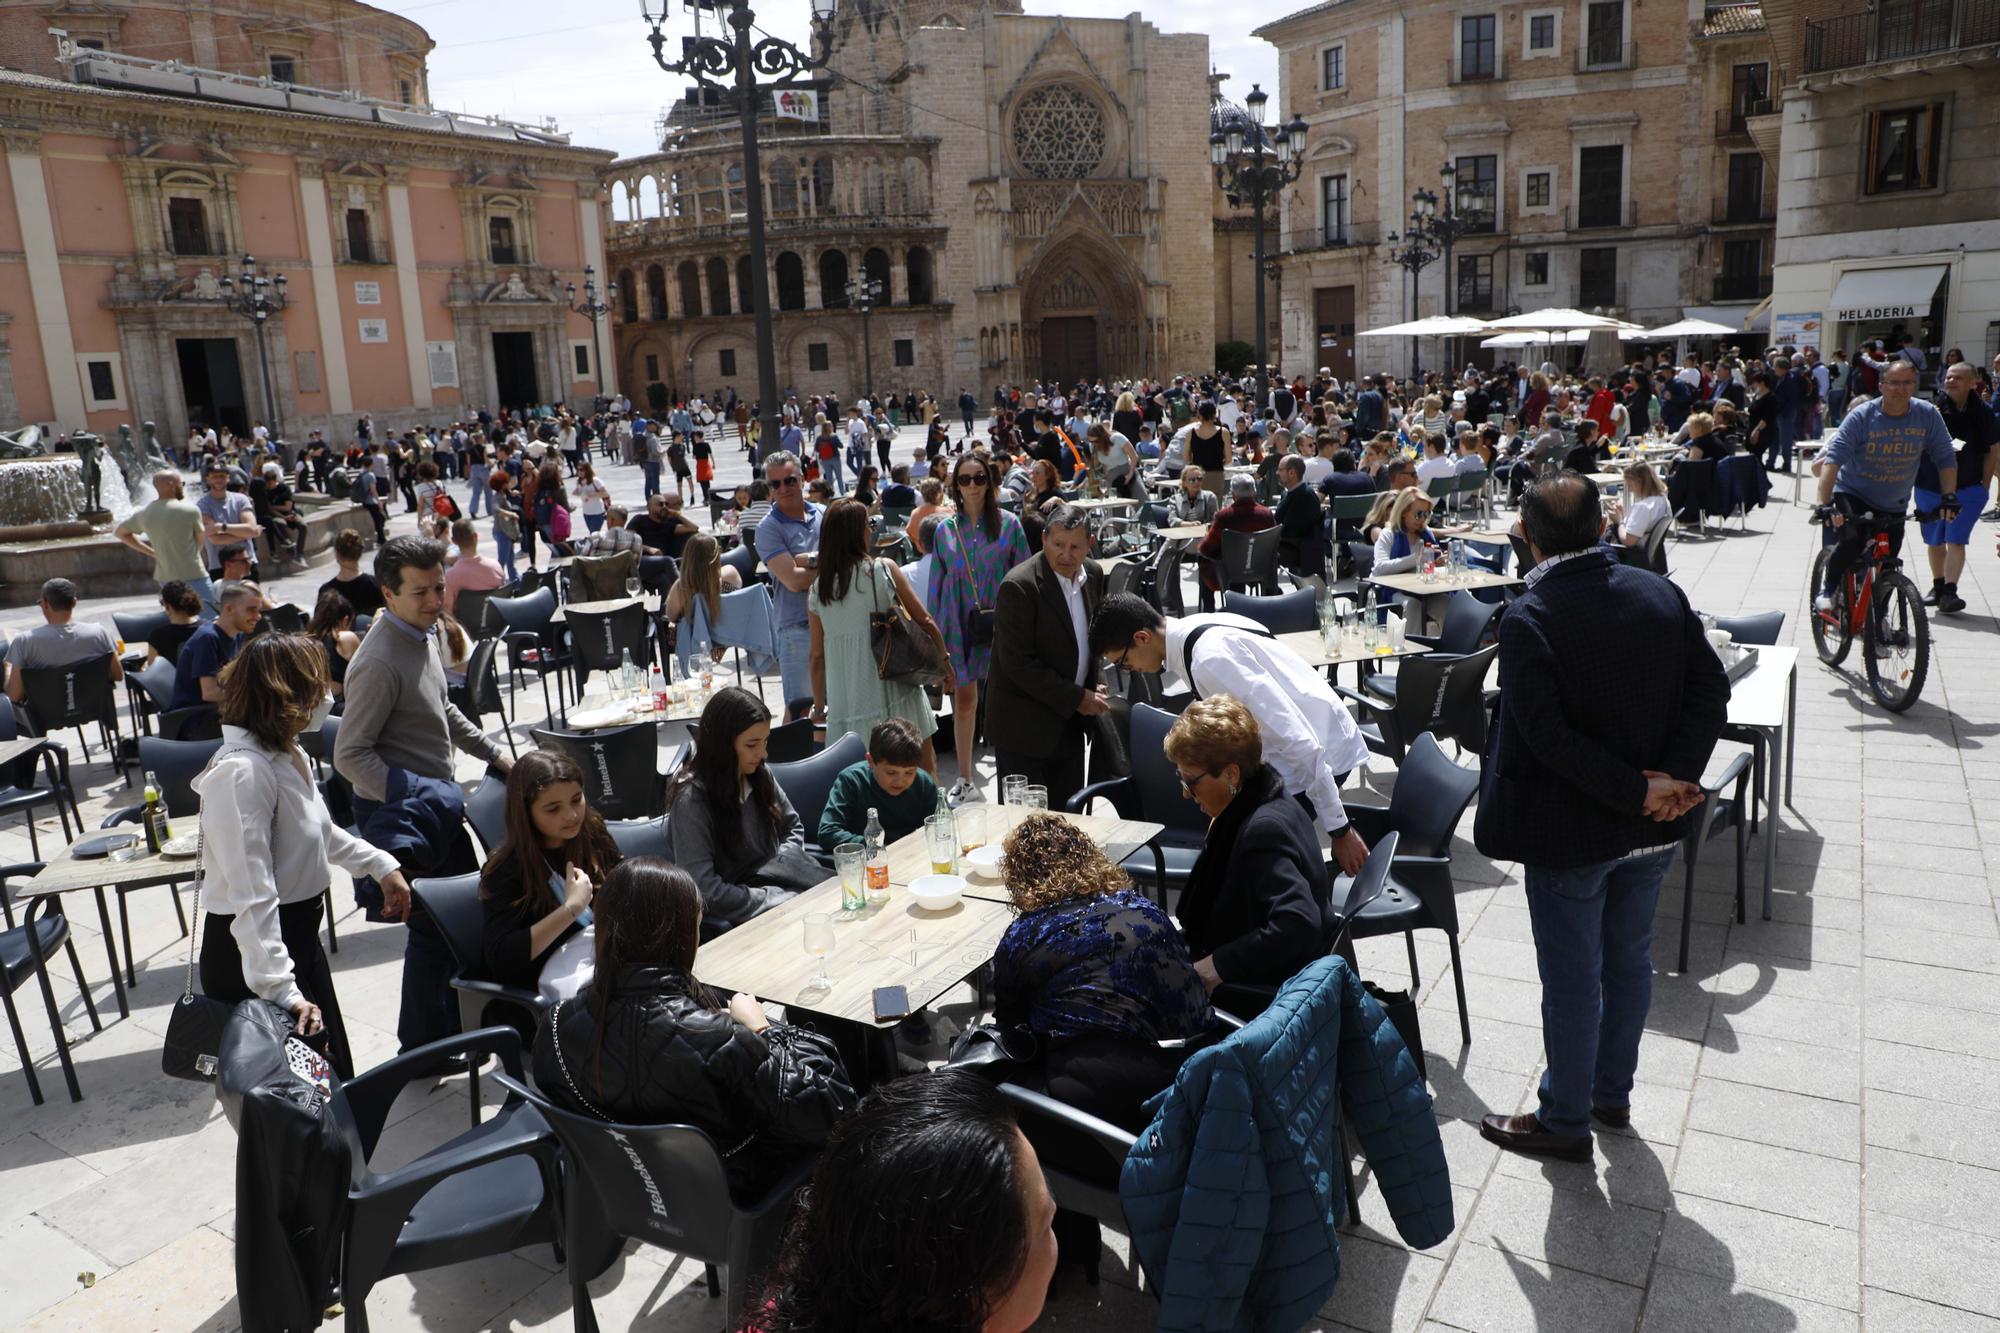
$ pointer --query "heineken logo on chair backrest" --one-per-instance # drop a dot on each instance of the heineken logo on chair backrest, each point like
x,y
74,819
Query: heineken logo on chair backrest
x,y
603,771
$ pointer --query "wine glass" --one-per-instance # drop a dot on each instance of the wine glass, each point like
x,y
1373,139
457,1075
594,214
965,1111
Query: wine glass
x,y
632,586
818,943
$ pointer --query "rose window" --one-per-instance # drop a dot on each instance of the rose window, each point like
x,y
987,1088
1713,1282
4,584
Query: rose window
x,y
1059,133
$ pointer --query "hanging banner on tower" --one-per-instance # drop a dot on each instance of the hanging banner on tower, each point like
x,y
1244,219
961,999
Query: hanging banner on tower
x,y
795,103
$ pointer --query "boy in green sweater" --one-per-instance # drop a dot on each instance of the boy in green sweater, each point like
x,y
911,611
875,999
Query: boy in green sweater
x,y
889,782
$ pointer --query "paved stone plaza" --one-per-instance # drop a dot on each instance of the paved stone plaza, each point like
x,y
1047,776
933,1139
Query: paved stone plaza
x,y
1816,1135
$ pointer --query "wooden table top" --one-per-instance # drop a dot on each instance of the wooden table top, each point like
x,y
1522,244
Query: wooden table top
x,y
895,944
651,601
66,874
1413,582
1487,536
1183,531
1607,478
1309,645
910,856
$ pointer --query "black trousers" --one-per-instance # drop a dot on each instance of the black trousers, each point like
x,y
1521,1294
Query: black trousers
x,y
1061,770
298,927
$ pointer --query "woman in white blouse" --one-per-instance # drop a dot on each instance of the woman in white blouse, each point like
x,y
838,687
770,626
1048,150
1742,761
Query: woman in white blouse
x,y
267,841
1648,504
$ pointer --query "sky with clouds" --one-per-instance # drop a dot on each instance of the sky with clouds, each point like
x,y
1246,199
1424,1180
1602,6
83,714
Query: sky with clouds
x,y
595,75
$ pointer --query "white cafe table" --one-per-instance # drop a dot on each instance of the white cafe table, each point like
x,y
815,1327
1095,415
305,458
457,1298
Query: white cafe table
x,y
1766,700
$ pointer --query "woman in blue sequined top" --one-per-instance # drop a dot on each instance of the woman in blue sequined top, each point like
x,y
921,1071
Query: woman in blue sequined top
x,y
1096,971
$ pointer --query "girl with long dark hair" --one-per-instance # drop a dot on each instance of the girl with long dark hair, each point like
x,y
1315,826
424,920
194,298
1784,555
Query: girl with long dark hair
x,y
332,627
645,1043
934,1172
975,549
732,826
537,885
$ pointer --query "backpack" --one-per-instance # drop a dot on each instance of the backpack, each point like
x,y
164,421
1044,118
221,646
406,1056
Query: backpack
x,y
444,506
1680,392
558,523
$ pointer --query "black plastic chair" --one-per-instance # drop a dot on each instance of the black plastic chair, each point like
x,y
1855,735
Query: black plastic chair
x,y
23,954
1468,626
1287,613
138,628
1165,579
495,1188
808,782
791,742
480,694
641,837
663,1185
1430,798
621,776
1758,630
1706,820
1446,698
453,902
470,610
1651,551
602,640
20,794
1152,793
196,722
1250,559
743,557
534,642
76,695
149,692
486,811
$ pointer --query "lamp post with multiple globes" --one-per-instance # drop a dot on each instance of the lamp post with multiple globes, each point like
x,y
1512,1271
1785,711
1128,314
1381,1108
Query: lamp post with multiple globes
x,y
256,297
1254,162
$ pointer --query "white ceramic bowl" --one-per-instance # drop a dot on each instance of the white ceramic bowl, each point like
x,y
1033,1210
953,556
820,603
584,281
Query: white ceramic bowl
x,y
986,858
935,893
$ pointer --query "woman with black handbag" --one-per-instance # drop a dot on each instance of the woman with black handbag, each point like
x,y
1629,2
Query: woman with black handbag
x,y
975,549
267,841
857,601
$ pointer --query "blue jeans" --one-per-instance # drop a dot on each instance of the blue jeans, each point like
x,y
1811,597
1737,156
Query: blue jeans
x,y
1593,940
831,464
652,471
504,553
1788,434
593,521
429,1004
479,490
795,660
204,588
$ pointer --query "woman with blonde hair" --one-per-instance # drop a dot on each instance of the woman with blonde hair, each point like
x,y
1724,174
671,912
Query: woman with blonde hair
x,y
703,576
1126,418
267,841
1648,507
1406,536
1255,907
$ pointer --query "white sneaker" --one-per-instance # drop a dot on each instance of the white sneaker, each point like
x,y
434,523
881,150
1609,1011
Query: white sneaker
x,y
963,792
1823,604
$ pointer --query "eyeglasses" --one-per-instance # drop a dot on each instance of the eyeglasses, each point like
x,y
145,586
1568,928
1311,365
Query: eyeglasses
x,y
1188,784
784,483
972,479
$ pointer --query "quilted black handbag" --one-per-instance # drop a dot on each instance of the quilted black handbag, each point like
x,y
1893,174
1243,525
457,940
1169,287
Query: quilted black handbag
x,y
194,1026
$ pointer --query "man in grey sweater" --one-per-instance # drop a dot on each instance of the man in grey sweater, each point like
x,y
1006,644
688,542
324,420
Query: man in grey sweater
x,y
398,716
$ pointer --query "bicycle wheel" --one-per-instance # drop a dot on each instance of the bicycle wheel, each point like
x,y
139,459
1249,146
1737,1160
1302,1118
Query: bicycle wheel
x,y
1898,647
1831,639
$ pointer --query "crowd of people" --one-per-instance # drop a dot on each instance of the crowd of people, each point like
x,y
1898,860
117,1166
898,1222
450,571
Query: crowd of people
x,y
981,547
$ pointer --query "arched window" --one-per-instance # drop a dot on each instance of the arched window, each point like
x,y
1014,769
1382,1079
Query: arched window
x,y
873,199
916,186
656,293
784,176
688,278
628,293
791,281
718,287
621,203
822,187
918,277
744,284
677,203
649,198
833,279
875,268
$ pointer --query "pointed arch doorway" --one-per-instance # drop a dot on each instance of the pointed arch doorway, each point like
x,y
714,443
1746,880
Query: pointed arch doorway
x,y
1081,311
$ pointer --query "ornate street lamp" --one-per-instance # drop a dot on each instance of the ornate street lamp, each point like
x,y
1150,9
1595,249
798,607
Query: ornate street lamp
x,y
1414,253
1254,161
256,297
594,310
862,294
1462,213
732,65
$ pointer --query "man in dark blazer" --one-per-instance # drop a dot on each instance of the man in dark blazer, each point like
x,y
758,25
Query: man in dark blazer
x,y
1042,689
1588,794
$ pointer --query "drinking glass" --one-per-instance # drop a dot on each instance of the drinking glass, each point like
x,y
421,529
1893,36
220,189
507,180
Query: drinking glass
x,y
1035,796
632,586
1011,788
971,826
850,860
819,943
941,832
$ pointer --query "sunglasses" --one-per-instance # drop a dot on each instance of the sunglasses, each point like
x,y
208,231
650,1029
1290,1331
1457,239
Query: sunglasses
x,y
971,479
1188,784
784,483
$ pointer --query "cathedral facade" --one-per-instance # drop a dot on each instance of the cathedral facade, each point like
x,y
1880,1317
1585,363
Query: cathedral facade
x,y
1029,197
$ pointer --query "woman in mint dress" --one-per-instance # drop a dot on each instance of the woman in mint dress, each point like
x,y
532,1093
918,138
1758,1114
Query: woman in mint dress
x,y
852,585
975,549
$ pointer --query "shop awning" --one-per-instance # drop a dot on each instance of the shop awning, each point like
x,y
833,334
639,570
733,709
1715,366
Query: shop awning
x,y
1885,293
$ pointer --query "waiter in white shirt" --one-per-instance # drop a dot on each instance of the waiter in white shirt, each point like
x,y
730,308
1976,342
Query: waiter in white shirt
x,y
1310,739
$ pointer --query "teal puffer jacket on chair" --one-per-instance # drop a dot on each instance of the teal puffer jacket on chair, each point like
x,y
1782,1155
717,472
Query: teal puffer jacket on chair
x,y
1235,1191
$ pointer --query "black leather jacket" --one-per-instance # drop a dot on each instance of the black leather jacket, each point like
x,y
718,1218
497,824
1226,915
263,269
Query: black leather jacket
x,y
765,1098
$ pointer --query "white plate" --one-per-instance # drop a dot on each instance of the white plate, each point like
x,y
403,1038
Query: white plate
x,y
186,844
986,858
935,893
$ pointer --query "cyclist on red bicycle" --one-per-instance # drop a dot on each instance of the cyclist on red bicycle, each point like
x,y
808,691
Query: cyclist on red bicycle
x,y
1873,459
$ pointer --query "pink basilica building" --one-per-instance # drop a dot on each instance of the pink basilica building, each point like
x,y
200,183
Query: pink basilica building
x,y
148,147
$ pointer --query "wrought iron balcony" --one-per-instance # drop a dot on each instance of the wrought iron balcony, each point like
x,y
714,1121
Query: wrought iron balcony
x,y
1900,30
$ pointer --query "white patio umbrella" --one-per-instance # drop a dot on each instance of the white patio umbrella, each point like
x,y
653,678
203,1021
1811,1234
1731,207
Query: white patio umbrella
x,y
1686,328
1445,326
1557,319
1524,338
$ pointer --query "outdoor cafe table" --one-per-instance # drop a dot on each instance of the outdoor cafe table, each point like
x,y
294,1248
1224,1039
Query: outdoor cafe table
x,y
598,710
1766,700
1106,502
1182,532
1412,583
1485,536
651,601
910,856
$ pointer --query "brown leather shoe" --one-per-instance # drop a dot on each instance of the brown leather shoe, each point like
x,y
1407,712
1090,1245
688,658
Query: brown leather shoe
x,y
1617,1117
1524,1133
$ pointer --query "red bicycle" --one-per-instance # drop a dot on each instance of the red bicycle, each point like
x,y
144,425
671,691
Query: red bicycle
x,y
1879,605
